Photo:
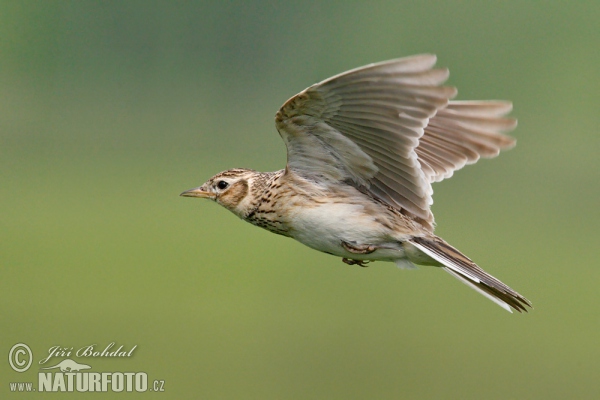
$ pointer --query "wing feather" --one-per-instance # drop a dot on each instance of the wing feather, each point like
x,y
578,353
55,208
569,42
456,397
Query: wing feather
x,y
473,129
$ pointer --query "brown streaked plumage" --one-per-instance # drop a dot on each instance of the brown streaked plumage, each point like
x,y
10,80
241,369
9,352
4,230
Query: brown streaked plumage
x,y
363,149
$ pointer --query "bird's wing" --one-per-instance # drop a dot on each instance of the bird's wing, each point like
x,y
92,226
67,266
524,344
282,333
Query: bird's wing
x,y
366,127
462,132
363,126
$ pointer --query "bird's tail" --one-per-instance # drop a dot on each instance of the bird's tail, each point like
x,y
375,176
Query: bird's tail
x,y
465,270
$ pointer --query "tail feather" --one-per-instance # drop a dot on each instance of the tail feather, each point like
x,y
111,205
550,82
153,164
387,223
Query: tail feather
x,y
462,268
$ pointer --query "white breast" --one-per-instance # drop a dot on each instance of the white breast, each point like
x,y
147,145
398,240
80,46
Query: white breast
x,y
324,226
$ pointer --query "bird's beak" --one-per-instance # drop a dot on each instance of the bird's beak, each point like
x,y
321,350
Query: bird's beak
x,y
198,192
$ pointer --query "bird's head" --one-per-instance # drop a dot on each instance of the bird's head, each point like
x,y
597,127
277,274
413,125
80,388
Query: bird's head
x,y
232,189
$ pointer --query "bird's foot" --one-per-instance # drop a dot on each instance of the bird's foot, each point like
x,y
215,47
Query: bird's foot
x,y
358,248
360,263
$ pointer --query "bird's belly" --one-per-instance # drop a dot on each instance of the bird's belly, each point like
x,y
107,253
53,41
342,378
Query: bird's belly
x,y
326,227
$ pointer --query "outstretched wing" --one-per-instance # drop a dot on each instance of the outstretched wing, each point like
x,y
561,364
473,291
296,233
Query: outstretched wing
x,y
366,127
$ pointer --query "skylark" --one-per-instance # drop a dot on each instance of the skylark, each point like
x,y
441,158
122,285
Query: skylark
x,y
363,149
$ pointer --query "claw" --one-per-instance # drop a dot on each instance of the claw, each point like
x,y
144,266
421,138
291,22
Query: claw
x,y
358,249
360,263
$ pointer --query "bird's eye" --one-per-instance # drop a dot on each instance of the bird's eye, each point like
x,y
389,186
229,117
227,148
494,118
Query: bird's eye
x,y
222,185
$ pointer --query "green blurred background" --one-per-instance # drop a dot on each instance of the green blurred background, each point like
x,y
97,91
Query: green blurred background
x,y
110,109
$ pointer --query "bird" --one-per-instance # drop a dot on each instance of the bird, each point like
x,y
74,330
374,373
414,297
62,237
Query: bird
x,y
363,149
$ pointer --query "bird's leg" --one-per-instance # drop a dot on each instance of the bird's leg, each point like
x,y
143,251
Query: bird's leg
x,y
360,263
358,248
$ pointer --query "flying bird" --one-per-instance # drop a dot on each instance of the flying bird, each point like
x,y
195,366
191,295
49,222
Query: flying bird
x,y
363,149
